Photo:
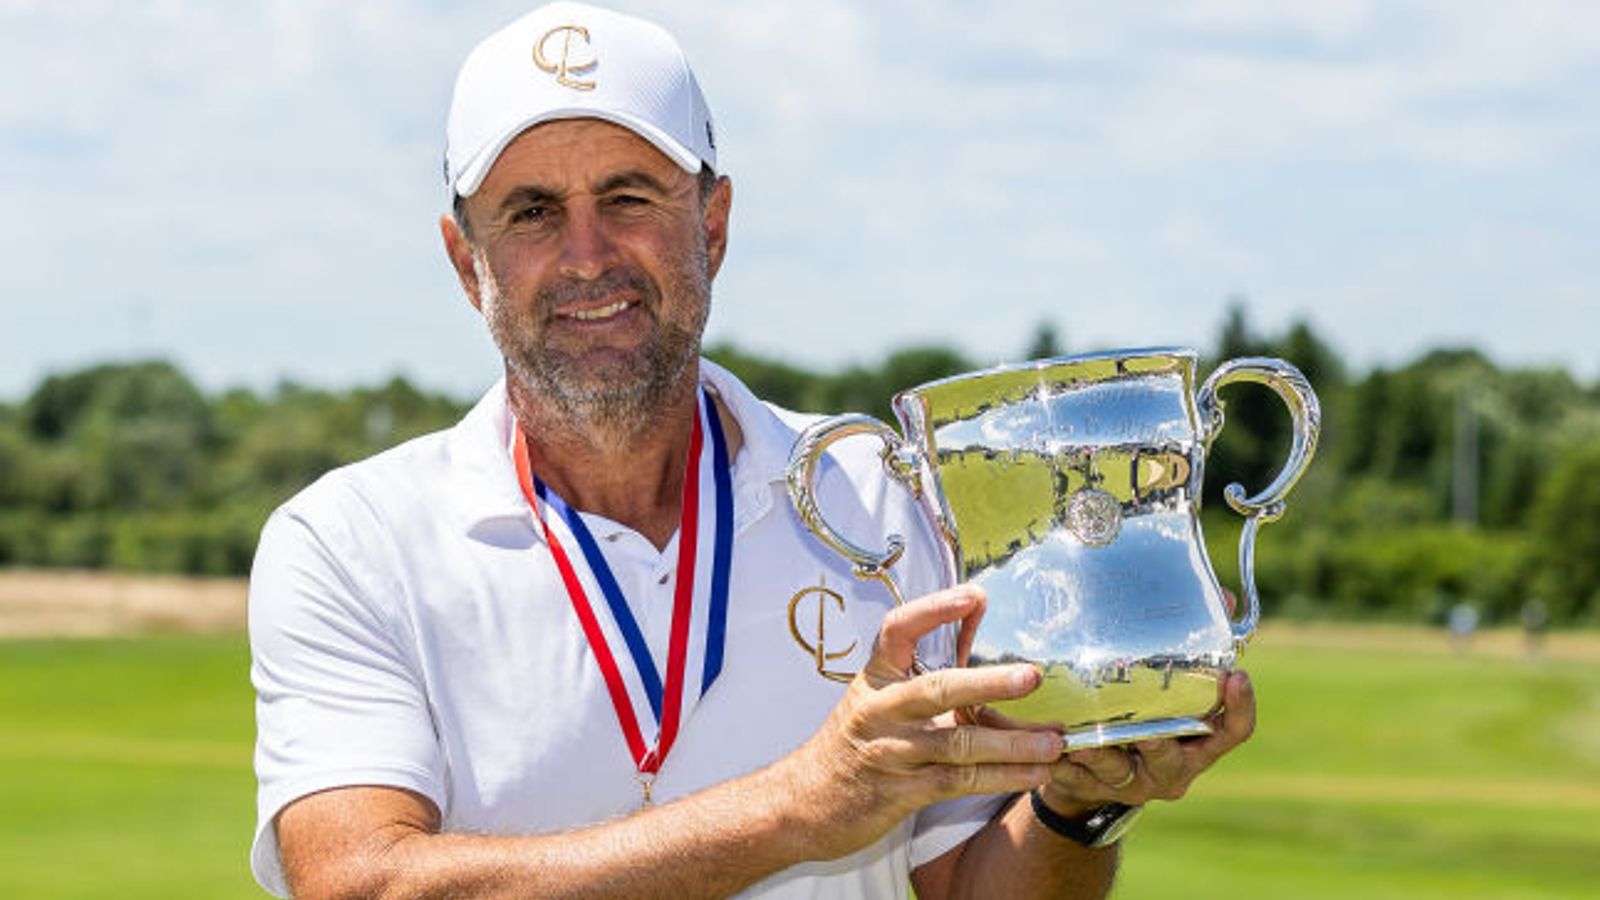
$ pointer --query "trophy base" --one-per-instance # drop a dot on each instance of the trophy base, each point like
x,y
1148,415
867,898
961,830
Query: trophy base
x,y
1128,732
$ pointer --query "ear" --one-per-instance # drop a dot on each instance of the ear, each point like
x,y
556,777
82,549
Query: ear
x,y
459,249
715,222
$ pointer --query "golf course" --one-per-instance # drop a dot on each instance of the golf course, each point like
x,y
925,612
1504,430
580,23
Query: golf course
x,y
1388,762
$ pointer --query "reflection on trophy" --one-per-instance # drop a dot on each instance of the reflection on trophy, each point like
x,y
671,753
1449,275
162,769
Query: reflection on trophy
x,y
1069,489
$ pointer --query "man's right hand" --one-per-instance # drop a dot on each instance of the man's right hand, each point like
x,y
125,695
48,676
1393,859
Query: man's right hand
x,y
892,744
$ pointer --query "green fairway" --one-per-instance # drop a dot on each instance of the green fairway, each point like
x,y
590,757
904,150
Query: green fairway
x,y
125,769
1395,770
1383,772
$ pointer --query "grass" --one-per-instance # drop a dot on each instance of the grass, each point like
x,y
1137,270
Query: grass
x,y
1389,769
1386,772
125,768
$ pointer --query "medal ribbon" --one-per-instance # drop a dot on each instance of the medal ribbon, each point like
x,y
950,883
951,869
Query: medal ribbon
x,y
666,704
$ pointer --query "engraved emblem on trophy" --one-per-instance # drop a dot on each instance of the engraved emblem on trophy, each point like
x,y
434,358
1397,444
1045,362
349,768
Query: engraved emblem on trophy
x,y
1069,489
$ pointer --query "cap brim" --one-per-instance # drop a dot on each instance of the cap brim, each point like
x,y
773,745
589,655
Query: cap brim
x,y
472,174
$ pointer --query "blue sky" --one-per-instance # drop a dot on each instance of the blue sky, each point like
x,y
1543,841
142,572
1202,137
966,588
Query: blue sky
x,y
251,188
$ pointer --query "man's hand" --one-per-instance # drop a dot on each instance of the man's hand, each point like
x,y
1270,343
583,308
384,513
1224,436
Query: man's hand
x,y
1016,856
891,746
1157,769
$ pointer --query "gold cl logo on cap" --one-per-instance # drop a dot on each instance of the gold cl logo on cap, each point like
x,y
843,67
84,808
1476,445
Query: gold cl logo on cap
x,y
566,67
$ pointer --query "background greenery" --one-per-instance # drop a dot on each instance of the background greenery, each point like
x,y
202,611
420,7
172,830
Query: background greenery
x,y
1392,768
1442,481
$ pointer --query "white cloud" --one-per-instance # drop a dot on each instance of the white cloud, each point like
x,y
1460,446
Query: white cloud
x,y
266,173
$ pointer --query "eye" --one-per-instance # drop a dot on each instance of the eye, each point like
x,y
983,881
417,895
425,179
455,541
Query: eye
x,y
532,213
627,201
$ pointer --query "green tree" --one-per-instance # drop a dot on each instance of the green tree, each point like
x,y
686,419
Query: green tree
x,y
1566,527
124,436
1256,430
868,390
780,383
1045,343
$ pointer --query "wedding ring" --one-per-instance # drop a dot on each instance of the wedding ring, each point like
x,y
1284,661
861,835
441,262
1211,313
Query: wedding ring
x,y
1133,772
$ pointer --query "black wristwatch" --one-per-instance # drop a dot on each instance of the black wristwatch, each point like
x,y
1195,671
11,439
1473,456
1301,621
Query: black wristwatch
x,y
1102,826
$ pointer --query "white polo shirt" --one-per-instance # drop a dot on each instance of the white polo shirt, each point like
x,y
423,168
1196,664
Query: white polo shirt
x,y
409,628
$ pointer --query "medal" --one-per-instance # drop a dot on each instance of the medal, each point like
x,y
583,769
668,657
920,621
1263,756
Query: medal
x,y
641,692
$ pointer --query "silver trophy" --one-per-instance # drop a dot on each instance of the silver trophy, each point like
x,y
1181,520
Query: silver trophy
x,y
1069,489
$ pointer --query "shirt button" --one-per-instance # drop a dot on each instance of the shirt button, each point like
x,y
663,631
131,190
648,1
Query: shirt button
x,y
613,537
663,579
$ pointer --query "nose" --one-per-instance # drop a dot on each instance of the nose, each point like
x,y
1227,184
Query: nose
x,y
587,250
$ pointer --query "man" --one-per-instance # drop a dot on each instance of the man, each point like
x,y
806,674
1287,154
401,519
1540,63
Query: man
x,y
580,645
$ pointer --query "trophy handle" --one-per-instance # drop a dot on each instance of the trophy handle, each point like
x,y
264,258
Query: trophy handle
x,y
1267,506
898,461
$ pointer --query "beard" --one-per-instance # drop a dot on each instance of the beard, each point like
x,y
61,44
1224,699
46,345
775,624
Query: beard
x,y
617,394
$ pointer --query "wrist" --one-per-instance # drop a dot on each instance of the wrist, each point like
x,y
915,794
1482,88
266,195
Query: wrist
x,y
1065,804
813,805
1093,826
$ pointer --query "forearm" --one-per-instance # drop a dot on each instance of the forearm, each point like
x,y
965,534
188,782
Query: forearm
x,y
712,844
888,749
1015,856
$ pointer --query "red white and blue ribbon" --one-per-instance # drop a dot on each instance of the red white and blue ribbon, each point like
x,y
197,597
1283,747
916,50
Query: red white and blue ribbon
x,y
639,692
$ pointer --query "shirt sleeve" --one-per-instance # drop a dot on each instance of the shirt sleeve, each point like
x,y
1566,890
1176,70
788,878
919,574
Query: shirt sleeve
x,y
337,702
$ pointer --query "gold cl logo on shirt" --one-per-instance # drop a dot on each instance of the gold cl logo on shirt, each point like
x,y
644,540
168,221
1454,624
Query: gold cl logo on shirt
x,y
816,646
565,67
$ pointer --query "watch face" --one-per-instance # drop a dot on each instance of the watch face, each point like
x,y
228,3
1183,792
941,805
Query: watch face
x,y
1112,822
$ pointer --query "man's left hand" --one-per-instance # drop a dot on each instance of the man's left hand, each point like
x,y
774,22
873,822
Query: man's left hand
x,y
1155,769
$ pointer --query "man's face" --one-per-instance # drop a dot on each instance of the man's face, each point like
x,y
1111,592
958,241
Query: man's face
x,y
592,262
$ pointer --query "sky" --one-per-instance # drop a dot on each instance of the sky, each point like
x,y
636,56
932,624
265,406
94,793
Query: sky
x,y
251,188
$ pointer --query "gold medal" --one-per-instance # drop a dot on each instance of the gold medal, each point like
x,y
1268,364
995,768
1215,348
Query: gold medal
x,y
647,782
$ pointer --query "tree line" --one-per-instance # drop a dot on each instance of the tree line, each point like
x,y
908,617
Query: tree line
x,y
1446,480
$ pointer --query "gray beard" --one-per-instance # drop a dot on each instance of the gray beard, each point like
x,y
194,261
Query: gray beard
x,y
621,403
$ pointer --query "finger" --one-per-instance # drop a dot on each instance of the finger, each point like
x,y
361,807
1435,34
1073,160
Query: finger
x,y
1234,727
896,647
969,744
929,695
1163,761
1238,709
991,718
1079,783
971,715
1115,767
968,632
994,778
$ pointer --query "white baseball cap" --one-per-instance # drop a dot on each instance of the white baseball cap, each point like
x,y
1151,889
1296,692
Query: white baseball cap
x,y
571,61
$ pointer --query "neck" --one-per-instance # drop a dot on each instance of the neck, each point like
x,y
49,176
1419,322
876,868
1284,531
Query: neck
x,y
635,479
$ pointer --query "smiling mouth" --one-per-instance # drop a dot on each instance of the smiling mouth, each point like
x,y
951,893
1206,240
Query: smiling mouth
x,y
601,313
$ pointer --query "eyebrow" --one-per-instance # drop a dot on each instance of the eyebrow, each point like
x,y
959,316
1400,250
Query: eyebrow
x,y
525,196
632,178
533,194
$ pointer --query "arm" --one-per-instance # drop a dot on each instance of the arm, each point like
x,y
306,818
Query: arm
x,y
887,750
1015,856
386,842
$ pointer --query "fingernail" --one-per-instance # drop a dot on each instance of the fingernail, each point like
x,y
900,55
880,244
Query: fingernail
x,y
1025,677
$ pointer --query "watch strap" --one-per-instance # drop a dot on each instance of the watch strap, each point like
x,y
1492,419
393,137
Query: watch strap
x,y
1100,827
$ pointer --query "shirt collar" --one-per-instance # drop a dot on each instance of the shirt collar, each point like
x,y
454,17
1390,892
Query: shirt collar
x,y
481,469
487,478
